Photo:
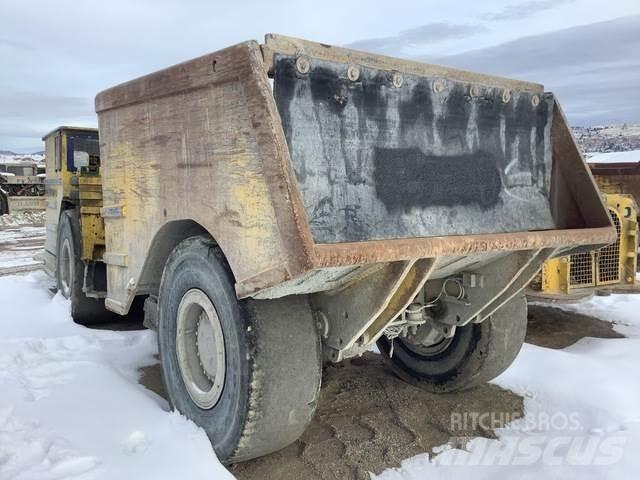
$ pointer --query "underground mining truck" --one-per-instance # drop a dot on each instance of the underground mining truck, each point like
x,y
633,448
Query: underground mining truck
x,y
285,204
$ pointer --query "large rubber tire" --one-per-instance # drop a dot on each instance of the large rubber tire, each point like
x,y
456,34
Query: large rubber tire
x,y
272,357
477,353
4,204
70,273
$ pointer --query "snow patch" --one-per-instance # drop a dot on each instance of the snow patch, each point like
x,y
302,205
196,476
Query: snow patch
x,y
631,156
25,218
71,404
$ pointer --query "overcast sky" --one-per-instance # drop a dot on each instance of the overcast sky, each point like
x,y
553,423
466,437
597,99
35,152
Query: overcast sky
x,y
55,56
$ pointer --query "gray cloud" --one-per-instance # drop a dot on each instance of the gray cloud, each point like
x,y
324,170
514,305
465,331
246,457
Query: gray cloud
x,y
429,33
26,104
26,116
7,43
105,43
594,70
440,31
525,9
603,42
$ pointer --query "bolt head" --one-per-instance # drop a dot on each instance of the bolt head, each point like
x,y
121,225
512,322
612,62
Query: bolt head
x,y
397,80
353,73
506,95
437,86
303,65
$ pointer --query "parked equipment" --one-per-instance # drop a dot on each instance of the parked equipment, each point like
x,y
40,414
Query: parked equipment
x,y
573,277
621,178
357,199
21,187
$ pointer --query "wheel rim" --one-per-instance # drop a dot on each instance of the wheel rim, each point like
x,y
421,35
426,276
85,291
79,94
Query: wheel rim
x,y
430,350
66,268
200,349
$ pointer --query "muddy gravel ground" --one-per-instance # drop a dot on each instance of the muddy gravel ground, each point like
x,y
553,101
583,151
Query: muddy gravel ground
x,y
368,420
552,327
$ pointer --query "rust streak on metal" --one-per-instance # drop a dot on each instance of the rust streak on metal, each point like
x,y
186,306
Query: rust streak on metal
x,y
329,255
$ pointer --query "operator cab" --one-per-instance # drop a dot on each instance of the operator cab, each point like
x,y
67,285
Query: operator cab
x,y
71,153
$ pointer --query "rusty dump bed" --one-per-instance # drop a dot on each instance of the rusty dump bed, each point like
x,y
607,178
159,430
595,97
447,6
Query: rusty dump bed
x,y
342,160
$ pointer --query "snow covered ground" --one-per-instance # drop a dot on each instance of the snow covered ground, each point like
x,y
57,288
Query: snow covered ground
x,y
20,245
22,237
631,156
23,218
71,406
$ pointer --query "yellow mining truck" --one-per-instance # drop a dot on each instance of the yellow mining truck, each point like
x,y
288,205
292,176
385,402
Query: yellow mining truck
x,y
74,244
287,203
612,268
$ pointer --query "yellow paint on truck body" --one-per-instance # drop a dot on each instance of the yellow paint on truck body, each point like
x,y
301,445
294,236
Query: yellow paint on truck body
x,y
614,264
65,188
91,223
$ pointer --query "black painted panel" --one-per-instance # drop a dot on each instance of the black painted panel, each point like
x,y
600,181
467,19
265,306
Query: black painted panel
x,y
375,161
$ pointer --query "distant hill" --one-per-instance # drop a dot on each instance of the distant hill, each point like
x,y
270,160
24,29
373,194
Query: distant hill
x,y
15,154
609,138
9,157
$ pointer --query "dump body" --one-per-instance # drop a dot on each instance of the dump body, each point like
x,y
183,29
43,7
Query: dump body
x,y
348,163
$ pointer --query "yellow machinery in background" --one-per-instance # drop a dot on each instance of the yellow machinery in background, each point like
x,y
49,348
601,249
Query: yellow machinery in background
x,y
609,268
74,184
622,177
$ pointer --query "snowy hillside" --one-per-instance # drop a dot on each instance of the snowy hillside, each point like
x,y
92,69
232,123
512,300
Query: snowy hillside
x,y
7,157
608,138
